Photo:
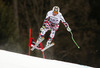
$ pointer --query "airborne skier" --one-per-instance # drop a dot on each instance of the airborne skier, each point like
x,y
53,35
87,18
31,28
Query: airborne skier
x,y
51,22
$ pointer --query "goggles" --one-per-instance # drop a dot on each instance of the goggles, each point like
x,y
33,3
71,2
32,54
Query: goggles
x,y
55,12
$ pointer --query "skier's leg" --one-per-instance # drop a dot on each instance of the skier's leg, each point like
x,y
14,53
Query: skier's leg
x,y
43,32
49,44
41,36
52,34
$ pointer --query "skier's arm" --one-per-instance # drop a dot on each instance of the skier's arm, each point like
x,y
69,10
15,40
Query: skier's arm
x,y
67,26
65,23
44,24
46,20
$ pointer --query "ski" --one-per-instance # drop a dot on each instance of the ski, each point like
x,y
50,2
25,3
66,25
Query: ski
x,y
36,44
38,48
47,47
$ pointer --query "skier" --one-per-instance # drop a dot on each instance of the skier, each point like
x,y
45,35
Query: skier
x,y
51,22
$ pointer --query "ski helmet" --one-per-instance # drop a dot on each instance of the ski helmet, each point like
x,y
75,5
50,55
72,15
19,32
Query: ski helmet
x,y
56,9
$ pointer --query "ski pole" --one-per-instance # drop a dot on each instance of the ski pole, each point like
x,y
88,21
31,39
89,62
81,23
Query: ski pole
x,y
74,40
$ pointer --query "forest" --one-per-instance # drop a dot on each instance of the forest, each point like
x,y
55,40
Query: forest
x,y
83,17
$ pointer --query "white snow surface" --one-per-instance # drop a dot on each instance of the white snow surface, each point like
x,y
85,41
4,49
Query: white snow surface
x,y
15,60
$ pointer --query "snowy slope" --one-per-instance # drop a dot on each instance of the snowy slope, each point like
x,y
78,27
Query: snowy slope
x,y
15,60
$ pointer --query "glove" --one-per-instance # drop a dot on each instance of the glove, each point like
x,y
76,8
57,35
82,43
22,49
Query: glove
x,y
41,29
68,29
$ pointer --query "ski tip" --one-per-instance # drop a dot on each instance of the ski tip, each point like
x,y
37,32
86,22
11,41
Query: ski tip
x,y
53,43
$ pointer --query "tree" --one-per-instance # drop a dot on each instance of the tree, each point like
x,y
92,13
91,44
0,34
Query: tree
x,y
16,20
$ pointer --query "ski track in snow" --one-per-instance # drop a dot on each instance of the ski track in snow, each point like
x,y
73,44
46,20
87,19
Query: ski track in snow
x,y
15,60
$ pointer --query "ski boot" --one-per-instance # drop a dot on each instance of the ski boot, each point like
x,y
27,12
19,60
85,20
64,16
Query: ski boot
x,y
48,43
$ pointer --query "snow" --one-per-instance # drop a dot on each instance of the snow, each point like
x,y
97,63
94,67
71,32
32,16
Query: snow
x,y
15,60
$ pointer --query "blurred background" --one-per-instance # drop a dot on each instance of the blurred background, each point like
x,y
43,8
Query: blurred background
x,y
83,16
